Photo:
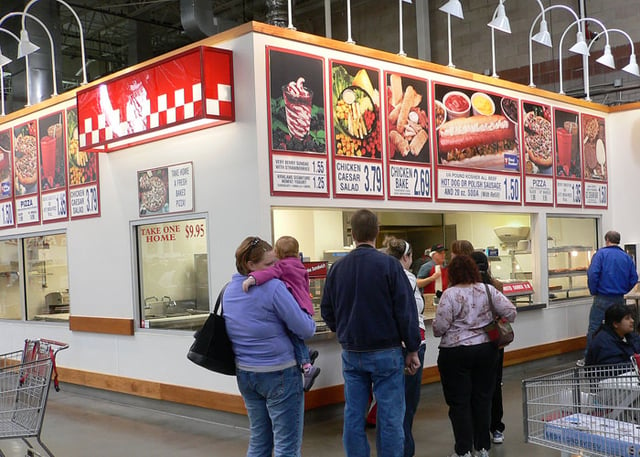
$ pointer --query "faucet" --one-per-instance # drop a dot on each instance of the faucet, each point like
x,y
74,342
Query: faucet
x,y
147,300
170,301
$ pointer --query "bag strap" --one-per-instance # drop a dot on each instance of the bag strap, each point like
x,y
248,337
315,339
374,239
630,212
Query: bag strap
x,y
219,301
486,287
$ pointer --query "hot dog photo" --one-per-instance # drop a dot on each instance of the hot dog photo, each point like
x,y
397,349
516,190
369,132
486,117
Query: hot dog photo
x,y
475,129
407,118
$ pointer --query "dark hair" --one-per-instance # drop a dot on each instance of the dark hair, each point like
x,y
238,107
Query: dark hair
x,y
364,225
397,247
252,249
482,263
463,270
612,237
462,247
615,313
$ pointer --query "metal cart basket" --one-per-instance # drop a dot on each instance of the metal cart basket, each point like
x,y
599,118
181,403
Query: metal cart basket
x,y
24,387
588,411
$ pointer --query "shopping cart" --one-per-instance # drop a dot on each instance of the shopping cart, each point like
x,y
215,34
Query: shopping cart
x,y
587,411
25,377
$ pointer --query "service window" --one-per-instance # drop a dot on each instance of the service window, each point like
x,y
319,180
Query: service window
x,y
10,280
173,274
46,277
572,241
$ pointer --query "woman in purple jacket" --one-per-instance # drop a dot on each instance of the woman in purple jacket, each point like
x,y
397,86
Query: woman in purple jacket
x,y
290,270
258,324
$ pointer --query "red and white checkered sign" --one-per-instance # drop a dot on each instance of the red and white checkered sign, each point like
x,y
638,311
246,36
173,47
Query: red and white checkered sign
x,y
192,86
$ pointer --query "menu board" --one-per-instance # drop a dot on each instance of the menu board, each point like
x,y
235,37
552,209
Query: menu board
x,y
478,153
537,154
53,167
297,139
25,155
408,152
568,169
7,218
595,161
84,198
356,131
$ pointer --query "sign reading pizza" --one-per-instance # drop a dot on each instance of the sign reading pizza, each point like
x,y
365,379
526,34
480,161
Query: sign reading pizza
x,y
185,92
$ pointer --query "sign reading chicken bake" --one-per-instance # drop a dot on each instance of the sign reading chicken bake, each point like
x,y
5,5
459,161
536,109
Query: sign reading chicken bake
x,y
409,156
184,92
356,128
298,140
476,140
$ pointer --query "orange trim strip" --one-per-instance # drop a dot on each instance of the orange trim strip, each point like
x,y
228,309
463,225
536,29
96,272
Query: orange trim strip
x,y
110,325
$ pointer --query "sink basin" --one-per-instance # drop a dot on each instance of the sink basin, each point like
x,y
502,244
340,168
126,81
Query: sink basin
x,y
197,311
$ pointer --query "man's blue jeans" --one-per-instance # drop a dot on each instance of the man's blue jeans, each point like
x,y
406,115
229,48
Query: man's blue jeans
x,y
384,369
275,404
601,303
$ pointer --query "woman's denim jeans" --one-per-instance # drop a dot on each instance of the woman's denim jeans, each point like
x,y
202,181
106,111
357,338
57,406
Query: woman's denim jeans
x,y
275,404
385,370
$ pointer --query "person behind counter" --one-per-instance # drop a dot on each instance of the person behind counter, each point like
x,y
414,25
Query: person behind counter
x,y
432,277
368,302
401,250
467,359
293,273
616,340
268,376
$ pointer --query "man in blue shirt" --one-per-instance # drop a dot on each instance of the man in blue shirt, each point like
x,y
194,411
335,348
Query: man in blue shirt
x,y
369,303
611,275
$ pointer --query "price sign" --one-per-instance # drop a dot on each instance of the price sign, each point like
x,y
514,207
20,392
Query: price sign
x,y
299,174
409,181
27,210
358,178
54,206
539,190
84,201
194,230
478,187
568,193
6,214
596,194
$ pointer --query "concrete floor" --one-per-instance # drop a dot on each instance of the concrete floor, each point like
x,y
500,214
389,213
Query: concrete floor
x,y
85,422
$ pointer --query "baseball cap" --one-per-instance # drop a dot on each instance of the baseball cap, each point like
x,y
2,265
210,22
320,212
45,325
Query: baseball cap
x,y
438,247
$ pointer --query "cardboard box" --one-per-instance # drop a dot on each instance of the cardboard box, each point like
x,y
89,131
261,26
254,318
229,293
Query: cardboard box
x,y
595,434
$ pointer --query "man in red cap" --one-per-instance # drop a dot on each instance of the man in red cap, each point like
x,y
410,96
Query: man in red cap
x,y
432,277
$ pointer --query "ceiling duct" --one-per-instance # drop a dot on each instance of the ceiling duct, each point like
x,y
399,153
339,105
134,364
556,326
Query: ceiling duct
x,y
197,18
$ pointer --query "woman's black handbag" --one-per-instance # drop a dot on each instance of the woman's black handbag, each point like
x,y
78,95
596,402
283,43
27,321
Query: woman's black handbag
x,y
212,348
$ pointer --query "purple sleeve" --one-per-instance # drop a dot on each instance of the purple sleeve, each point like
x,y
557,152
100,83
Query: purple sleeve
x,y
262,276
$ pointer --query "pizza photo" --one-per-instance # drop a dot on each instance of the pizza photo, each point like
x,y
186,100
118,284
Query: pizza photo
x,y
25,149
538,137
153,191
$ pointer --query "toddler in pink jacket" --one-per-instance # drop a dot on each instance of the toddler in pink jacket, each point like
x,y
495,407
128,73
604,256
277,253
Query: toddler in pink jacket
x,y
290,270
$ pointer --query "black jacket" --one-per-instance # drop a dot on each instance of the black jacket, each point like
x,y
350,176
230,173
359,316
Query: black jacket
x,y
607,348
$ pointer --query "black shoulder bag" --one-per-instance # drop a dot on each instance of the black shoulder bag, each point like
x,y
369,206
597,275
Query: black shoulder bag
x,y
212,348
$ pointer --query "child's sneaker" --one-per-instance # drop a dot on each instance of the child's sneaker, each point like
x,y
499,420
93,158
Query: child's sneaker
x,y
309,377
313,355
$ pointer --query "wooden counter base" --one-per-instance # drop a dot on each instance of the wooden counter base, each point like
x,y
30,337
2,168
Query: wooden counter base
x,y
313,399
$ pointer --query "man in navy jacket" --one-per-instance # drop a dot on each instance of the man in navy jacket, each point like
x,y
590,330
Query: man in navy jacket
x,y
611,275
369,303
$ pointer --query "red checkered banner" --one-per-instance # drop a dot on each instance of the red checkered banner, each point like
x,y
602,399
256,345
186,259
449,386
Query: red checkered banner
x,y
189,91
